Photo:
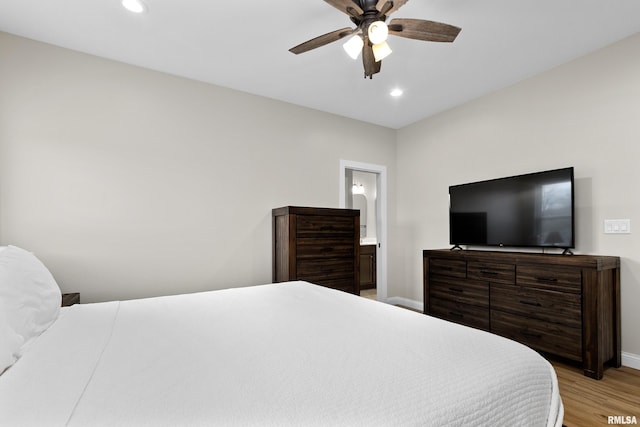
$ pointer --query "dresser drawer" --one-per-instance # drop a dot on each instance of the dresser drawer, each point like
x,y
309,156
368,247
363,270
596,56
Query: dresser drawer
x,y
315,270
346,285
460,291
492,272
330,226
550,278
315,248
550,306
552,338
448,267
464,314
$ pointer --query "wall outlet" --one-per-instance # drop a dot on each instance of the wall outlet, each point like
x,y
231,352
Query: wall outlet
x,y
617,226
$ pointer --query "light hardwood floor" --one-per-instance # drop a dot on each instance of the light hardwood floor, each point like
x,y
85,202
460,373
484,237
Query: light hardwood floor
x,y
588,402
369,293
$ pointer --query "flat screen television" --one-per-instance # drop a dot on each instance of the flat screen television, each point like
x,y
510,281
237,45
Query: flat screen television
x,y
532,210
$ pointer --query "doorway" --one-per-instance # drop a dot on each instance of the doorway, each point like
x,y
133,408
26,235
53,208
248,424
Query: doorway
x,y
364,186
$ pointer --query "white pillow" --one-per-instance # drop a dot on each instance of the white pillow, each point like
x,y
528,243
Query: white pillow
x,y
30,294
10,341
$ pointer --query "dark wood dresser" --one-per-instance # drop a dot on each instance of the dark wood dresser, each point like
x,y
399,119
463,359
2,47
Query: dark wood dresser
x,y
319,245
565,305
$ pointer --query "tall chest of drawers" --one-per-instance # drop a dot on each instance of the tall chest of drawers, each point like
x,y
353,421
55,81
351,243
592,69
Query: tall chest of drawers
x,y
567,306
319,245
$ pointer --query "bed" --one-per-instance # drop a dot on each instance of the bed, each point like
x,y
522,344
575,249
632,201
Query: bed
x,y
286,354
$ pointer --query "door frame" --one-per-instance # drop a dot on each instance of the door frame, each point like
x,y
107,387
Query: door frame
x,y
381,216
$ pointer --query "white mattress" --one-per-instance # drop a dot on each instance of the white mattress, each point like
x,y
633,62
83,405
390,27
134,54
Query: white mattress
x,y
284,354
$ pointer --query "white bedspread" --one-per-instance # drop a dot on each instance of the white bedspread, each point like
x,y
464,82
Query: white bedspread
x,y
290,354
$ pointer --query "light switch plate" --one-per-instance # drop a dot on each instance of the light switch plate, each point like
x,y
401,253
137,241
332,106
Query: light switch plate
x,y
617,226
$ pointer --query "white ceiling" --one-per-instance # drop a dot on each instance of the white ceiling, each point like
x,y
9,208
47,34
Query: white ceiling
x,y
244,45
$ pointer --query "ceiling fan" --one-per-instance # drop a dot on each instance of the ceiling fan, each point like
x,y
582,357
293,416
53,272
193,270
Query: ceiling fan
x,y
370,34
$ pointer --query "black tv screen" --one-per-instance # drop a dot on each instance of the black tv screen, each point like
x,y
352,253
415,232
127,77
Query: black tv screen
x,y
532,210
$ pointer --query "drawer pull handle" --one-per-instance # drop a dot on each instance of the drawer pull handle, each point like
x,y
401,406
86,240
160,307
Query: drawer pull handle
x,y
489,273
530,335
547,279
458,290
535,304
456,314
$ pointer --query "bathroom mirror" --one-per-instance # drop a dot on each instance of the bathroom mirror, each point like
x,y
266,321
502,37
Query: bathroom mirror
x,y
360,203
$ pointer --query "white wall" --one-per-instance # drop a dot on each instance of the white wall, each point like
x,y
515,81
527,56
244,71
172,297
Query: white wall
x,y
131,183
584,114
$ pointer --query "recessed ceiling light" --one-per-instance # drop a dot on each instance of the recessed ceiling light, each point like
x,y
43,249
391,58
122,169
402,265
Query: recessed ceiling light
x,y
396,93
135,6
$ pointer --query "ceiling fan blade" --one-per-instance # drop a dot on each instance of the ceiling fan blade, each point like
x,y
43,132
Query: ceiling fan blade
x,y
371,67
347,6
419,29
395,5
385,7
321,40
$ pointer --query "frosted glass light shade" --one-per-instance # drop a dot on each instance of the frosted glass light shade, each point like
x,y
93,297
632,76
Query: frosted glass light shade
x,y
353,46
381,51
378,32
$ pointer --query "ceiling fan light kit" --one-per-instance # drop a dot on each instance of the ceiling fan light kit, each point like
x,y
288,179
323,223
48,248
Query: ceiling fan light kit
x,y
378,32
371,31
354,46
381,51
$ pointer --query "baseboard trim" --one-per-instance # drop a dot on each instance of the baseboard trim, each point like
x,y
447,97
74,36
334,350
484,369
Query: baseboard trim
x,y
631,360
628,359
406,302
